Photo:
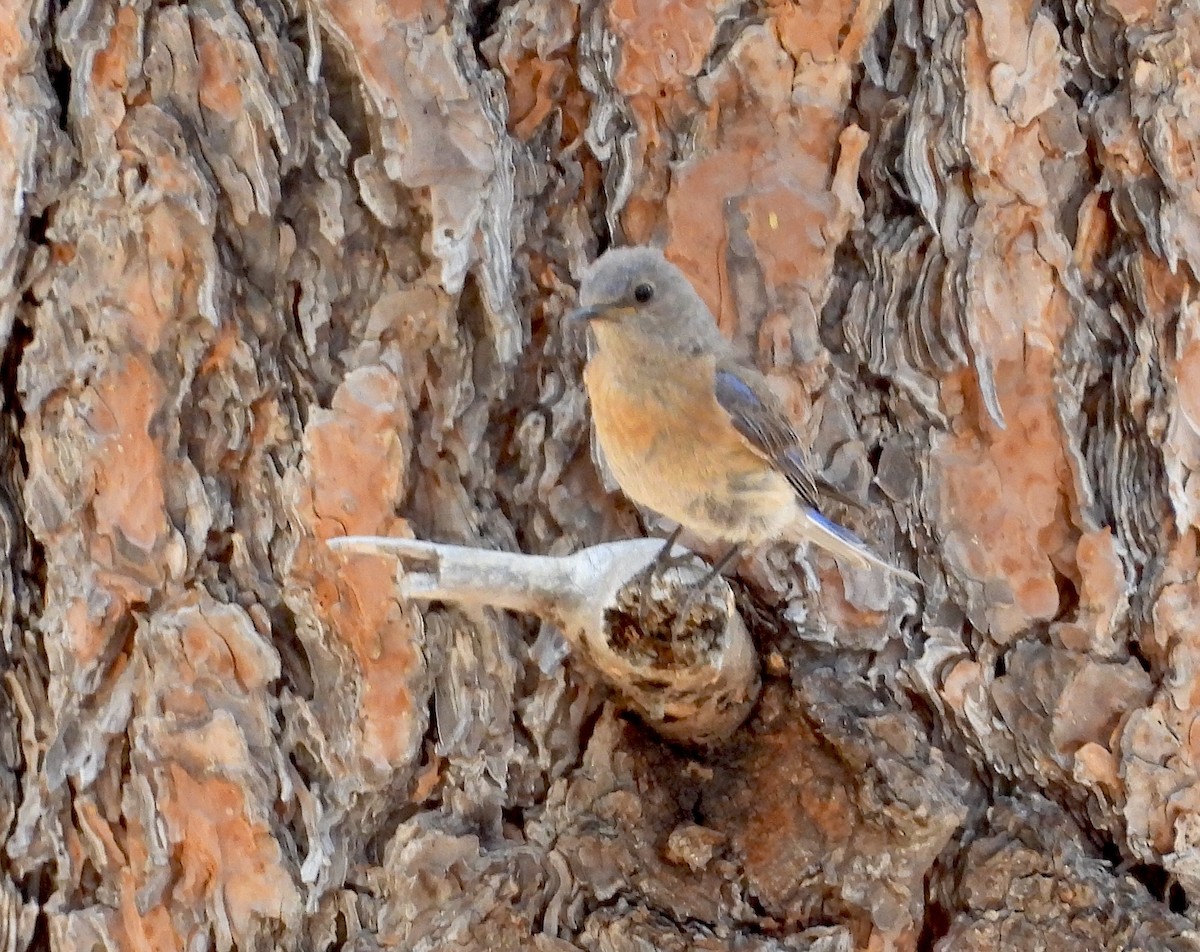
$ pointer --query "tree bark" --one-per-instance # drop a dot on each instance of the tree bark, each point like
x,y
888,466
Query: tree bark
x,y
274,272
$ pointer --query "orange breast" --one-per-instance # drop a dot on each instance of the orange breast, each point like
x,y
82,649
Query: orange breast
x,y
671,446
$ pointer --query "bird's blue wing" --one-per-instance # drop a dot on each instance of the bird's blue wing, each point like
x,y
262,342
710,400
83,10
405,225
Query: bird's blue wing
x,y
752,409
757,417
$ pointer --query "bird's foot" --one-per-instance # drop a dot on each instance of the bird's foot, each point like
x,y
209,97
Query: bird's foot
x,y
665,559
683,613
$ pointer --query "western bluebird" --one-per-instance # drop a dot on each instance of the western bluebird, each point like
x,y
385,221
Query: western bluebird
x,y
687,429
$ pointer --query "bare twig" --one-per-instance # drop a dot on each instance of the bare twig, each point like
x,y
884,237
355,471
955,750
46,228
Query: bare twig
x,y
695,686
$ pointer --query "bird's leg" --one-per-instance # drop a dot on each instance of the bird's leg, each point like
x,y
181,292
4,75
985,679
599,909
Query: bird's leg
x,y
718,566
661,560
700,587
664,557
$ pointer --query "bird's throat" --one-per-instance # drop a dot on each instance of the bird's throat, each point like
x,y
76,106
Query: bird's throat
x,y
628,346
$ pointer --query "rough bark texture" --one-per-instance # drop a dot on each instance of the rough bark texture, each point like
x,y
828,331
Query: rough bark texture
x,y
272,272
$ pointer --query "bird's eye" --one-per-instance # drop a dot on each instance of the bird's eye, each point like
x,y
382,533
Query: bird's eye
x,y
643,292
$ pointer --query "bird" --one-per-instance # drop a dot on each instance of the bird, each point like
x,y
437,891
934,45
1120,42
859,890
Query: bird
x,y
687,428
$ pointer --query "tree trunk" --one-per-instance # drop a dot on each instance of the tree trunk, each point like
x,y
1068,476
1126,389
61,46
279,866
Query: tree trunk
x,y
274,272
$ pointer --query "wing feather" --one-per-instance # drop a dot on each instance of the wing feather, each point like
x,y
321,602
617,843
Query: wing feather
x,y
756,415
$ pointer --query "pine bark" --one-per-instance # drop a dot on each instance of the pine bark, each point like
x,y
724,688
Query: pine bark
x,y
273,272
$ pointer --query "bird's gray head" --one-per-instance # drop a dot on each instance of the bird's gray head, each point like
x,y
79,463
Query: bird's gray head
x,y
637,292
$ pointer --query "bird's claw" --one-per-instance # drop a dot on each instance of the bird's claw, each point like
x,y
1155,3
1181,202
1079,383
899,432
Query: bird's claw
x,y
684,612
665,559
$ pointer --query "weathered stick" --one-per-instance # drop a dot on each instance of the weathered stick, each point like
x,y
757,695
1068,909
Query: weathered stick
x,y
691,679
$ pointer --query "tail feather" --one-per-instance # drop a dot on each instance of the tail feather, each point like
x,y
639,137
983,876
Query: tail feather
x,y
833,538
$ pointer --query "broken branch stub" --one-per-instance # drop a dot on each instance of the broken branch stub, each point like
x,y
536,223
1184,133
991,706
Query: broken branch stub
x,y
692,679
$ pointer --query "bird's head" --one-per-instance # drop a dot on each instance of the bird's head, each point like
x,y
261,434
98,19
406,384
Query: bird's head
x,y
637,293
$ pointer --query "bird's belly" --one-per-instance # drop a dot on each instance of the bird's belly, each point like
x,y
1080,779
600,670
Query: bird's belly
x,y
691,467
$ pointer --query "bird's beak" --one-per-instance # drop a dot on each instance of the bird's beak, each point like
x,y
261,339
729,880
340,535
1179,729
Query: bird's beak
x,y
583,315
598,312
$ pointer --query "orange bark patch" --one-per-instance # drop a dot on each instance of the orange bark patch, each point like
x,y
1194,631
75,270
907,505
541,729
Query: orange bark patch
x,y
360,19
105,92
13,45
107,855
811,28
127,465
1094,702
1094,233
787,206
1175,643
202,729
1007,494
224,853
220,72
1164,288
1004,501
152,931
838,611
540,77
111,65
356,466
963,685
371,29
1102,590
664,42
218,646
1096,766
88,636
355,452
227,342
765,164
535,89
799,800
1133,11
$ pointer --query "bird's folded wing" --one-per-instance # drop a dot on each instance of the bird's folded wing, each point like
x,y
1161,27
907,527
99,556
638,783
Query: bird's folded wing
x,y
757,417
